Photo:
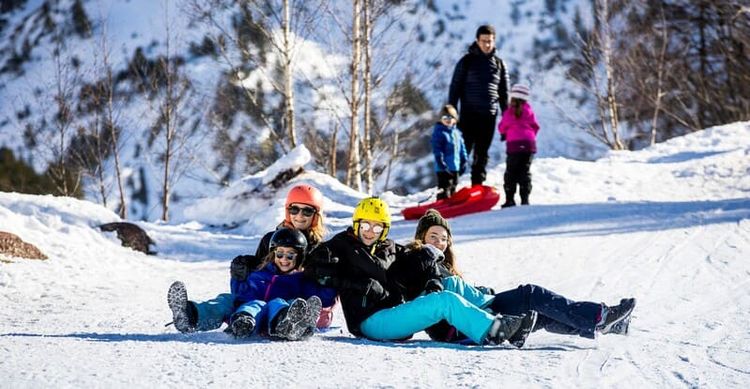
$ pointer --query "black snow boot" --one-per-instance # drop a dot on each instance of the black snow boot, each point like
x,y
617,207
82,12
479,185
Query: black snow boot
x,y
242,325
527,326
503,328
510,193
525,191
184,314
616,319
295,322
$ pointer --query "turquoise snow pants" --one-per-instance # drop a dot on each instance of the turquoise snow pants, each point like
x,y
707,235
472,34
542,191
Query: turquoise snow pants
x,y
457,285
461,311
212,313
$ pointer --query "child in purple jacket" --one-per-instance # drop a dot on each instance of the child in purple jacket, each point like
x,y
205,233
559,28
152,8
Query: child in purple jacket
x,y
275,299
518,127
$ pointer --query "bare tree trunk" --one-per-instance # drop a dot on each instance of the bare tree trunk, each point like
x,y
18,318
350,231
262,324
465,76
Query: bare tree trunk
x,y
168,120
112,126
367,78
659,77
606,42
288,74
394,154
65,84
333,147
352,171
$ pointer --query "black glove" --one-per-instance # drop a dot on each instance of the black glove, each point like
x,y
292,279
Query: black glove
x,y
485,289
241,266
323,272
502,137
374,292
321,266
433,285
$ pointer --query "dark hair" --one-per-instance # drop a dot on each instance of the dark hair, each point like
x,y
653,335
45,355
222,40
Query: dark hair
x,y
517,104
485,29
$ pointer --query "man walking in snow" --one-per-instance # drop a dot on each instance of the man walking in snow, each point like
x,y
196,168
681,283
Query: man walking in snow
x,y
480,84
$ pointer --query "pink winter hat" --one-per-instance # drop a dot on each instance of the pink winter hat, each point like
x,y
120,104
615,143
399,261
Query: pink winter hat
x,y
520,91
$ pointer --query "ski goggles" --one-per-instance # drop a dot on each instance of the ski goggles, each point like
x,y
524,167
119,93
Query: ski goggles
x,y
289,256
447,117
365,226
306,211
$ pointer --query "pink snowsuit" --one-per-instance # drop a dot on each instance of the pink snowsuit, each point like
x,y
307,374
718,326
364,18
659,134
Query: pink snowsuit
x,y
520,133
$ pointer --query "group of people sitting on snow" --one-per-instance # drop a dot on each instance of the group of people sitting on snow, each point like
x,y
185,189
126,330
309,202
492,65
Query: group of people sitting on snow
x,y
387,291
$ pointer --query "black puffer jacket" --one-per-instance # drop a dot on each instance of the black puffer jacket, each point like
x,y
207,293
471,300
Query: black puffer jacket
x,y
480,82
414,268
357,270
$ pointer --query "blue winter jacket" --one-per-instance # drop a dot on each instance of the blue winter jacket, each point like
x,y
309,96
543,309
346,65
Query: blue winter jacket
x,y
267,284
448,148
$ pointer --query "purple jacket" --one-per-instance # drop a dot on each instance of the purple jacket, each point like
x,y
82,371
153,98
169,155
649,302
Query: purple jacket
x,y
267,284
520,133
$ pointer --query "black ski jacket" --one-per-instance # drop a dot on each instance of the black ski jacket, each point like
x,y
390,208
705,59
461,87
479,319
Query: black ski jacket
x,y
359,272
480,83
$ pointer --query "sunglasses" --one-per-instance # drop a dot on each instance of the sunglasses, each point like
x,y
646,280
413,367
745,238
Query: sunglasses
x,y
306,211
289,256
446,117
364,226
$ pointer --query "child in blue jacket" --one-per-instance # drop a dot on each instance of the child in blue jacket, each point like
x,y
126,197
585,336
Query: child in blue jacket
x,y
449,150
275,299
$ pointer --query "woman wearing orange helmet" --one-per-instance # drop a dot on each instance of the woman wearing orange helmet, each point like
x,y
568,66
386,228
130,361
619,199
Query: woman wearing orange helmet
x,y
303,212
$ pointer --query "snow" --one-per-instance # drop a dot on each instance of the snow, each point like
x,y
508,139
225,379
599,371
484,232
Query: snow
x,y
669,225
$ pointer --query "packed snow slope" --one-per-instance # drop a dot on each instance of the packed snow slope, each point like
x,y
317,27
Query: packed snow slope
x,y
669,225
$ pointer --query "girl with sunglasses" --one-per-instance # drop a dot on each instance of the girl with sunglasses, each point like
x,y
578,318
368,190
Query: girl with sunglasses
x,y
303,212
274,299
356,262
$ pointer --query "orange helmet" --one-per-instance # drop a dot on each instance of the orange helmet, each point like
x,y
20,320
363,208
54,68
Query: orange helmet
x,y
303,194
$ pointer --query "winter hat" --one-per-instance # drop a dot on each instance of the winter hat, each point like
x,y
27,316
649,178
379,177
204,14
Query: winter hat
x,y
449,110
429,219
520,91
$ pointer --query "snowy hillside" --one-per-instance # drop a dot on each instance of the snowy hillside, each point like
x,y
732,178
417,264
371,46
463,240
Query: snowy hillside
x,y
427,41
669,225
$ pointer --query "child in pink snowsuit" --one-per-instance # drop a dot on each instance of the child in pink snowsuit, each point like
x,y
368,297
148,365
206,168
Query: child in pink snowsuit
x,y
518,127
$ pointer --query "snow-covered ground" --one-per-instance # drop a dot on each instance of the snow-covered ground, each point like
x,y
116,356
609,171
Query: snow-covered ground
x,y
669,225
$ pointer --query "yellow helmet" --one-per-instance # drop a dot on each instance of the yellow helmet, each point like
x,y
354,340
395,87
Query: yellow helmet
x,y
375,209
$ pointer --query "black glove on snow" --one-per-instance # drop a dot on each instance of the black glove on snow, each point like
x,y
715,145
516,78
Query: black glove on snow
x,y
241,267
433,285
485,289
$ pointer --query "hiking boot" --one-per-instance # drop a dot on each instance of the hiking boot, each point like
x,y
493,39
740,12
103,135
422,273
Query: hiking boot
x,y
242,325
291,323
504,327
616,319
527,326
184,316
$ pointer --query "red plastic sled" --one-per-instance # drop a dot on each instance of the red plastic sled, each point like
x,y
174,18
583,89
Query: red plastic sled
x,y
467,200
